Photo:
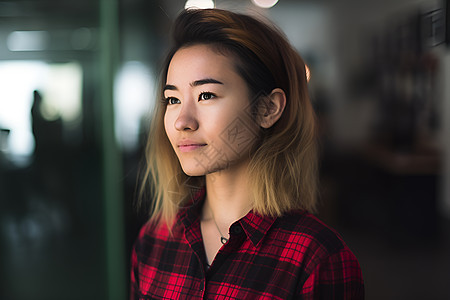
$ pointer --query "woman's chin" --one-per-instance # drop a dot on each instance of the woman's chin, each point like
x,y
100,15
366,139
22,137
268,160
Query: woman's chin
x,y
194,170
199,170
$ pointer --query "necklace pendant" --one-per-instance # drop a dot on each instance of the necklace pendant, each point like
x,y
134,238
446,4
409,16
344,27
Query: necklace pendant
x,y
223,240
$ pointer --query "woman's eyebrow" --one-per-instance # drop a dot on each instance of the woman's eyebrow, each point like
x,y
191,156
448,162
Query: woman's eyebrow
x,y
205,81
169,87
199,82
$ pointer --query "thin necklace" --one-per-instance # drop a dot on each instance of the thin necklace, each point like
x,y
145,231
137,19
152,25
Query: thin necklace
x,y
223,239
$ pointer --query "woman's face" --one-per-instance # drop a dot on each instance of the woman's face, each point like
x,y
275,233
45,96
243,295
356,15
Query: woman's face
x,y
207,118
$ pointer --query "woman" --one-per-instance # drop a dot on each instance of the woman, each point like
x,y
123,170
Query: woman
x,y
232,162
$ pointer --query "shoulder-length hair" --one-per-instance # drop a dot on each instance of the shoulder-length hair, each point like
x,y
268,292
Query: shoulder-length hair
x,y
283,165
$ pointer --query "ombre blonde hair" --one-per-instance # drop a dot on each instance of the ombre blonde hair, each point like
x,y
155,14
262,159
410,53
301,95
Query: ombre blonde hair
x,y
283,165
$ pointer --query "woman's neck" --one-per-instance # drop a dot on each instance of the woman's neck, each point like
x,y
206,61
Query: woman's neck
x,y
227,197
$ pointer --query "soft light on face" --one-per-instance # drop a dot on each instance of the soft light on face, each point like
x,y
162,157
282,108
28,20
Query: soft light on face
x,y
207,119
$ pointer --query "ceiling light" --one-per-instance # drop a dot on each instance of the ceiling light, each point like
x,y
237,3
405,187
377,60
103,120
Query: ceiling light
x,y
265,3
28,40
199,4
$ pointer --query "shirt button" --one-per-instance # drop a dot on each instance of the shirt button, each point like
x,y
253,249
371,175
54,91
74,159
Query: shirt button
x,y
237,229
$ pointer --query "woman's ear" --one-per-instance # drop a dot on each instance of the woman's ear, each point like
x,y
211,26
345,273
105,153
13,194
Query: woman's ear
x,y
272,108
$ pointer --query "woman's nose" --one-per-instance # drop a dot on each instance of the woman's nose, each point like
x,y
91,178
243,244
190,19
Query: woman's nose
x,y
186,119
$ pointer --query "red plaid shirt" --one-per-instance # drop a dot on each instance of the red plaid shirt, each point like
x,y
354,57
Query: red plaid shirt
x,y
293,256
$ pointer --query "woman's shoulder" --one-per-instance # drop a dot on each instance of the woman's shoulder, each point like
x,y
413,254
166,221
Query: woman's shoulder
x,y
324,257
306,230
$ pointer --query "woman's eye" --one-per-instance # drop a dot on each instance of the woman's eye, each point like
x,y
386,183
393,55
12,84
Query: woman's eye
x,y
172,100
206,96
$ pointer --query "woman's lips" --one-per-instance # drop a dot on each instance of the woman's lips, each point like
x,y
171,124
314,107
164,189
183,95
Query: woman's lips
x,y
189,147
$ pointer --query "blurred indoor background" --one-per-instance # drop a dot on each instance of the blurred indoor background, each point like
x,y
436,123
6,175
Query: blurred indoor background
x,y
77,83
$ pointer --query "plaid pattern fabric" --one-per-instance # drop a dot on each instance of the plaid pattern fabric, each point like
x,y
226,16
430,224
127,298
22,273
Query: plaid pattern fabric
x,y
292,257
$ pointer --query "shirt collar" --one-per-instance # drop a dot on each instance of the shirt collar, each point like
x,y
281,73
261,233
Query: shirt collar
x,y
254,225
